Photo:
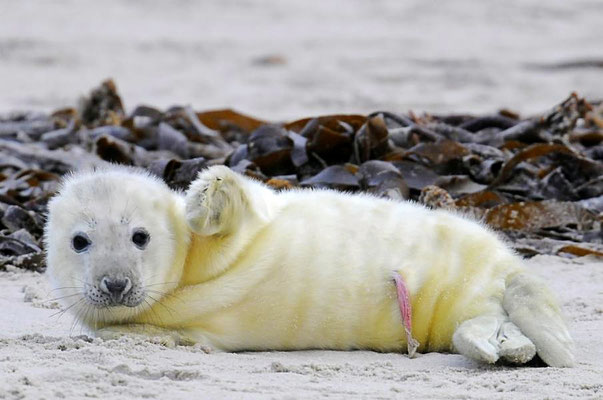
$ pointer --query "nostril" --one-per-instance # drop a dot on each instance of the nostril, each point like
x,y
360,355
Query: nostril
x,y
115,286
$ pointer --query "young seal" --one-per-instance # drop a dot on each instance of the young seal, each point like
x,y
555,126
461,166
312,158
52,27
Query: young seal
x,y
235,266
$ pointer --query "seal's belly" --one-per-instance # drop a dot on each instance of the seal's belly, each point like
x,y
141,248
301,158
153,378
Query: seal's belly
x,y
329,278
285,316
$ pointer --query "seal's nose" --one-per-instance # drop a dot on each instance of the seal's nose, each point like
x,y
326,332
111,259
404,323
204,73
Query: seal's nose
x,y
116,287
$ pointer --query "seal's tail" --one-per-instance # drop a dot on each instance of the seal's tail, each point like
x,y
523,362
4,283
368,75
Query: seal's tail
x,y
532,307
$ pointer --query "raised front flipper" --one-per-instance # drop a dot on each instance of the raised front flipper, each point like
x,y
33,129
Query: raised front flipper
x,y
220,200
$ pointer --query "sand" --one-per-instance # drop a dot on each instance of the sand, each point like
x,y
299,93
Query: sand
x,y
295,58
46,357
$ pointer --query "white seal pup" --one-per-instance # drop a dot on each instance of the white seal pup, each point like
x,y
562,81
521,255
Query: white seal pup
x,y
235,266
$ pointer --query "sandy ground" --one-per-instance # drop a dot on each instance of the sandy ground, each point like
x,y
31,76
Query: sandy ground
x,y
44,357
294,58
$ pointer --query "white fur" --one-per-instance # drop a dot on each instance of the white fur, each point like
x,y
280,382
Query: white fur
x,y
302,269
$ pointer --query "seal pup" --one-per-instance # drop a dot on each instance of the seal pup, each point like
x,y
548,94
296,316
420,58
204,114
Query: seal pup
x,y
234,265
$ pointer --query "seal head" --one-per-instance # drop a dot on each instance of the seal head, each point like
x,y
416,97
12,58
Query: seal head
x,y
112,238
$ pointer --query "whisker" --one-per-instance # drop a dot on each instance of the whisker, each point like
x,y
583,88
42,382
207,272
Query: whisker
x,y
110,312
66,287
66,309
151,308
74,322
150,277
76,319
169,309
87,309
163,283
79,280
63,297
84,318
171,295
156,318
95,319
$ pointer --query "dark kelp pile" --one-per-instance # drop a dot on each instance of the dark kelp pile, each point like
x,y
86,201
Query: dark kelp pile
x,y
538,180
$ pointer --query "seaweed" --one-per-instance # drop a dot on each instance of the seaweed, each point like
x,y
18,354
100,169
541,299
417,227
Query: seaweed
x,y
537,180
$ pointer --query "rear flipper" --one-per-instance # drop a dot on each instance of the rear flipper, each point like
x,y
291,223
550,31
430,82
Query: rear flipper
x,y
515,347
532,307
490,338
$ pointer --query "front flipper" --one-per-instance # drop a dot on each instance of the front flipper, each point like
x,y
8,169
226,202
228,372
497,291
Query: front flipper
x,y
214,201
165,337
219,201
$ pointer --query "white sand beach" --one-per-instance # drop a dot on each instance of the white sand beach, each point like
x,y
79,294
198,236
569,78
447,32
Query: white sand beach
x,y
45,357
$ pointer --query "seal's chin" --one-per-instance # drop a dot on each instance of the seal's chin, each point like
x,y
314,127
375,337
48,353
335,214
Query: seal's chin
x,y
112,302
129,301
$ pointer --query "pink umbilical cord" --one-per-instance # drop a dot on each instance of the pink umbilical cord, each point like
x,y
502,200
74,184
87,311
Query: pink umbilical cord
x,y
406,312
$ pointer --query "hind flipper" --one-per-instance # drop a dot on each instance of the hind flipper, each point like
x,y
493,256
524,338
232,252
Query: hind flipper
x,y
477,338
532,307
487,338
514,346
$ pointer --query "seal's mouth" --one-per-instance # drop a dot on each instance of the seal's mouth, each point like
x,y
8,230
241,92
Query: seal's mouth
x,y
113,292
104,301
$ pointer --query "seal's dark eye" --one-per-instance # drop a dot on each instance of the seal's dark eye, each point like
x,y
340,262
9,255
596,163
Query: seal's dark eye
x,y
140,238
80,242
